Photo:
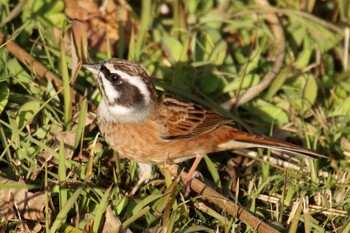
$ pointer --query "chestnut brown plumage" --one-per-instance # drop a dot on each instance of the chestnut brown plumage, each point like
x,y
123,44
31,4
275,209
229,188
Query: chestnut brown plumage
x,y
153,127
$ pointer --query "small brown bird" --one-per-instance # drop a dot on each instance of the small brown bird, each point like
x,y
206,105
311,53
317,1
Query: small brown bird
x,y
153,127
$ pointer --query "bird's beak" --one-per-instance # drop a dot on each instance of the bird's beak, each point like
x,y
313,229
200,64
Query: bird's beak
x,y
93,68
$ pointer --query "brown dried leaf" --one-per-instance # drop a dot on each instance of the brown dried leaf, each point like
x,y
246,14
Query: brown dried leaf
x,y
79,46
102,21
25,226
112,223
345,143
15,201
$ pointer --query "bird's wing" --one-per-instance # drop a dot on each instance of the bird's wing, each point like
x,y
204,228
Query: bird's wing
x,y
182,119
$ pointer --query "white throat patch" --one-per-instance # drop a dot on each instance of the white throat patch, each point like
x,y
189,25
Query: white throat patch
x,y
121,114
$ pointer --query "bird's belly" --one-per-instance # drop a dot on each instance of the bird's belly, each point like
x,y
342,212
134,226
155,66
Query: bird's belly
x,y
140,143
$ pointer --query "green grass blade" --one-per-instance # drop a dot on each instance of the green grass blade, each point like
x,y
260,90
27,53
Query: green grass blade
x,y
66,89
295,221
63,195
81,122
135,217
146,21
61,216
100,209
213,171
31,139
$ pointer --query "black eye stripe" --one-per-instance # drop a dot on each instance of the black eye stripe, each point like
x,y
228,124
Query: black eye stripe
x,y
105,71
114,78
129,95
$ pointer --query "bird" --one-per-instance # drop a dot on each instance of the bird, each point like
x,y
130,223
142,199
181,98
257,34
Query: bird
x,y
153,127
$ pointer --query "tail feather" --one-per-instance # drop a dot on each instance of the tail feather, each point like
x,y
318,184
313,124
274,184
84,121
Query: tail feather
x,y
262,142
295,150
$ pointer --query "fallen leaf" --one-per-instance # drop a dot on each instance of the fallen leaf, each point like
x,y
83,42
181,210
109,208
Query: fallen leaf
x,y
16,200
102,21
112,223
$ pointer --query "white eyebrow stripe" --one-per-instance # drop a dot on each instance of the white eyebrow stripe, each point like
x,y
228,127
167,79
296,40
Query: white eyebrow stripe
x,y
134,80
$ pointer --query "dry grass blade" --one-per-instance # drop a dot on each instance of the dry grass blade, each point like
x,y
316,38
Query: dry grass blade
x,y
223,203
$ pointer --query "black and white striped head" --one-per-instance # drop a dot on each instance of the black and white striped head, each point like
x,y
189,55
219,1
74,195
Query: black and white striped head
x,y
127,91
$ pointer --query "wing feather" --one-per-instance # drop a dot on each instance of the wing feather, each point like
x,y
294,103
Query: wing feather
x,y
182,119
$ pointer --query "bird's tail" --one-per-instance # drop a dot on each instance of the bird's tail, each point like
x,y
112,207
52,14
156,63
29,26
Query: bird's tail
x,y
245,140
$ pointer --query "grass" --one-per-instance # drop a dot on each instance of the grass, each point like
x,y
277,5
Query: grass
x,y
205,51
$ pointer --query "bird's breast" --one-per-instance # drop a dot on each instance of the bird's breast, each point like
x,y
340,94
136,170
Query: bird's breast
x,y
141,141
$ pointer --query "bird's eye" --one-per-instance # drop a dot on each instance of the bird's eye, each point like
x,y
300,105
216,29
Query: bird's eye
x,y
115,79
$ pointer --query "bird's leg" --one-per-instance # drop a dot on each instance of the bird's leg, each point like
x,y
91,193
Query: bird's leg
x,y
192,173
145,173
